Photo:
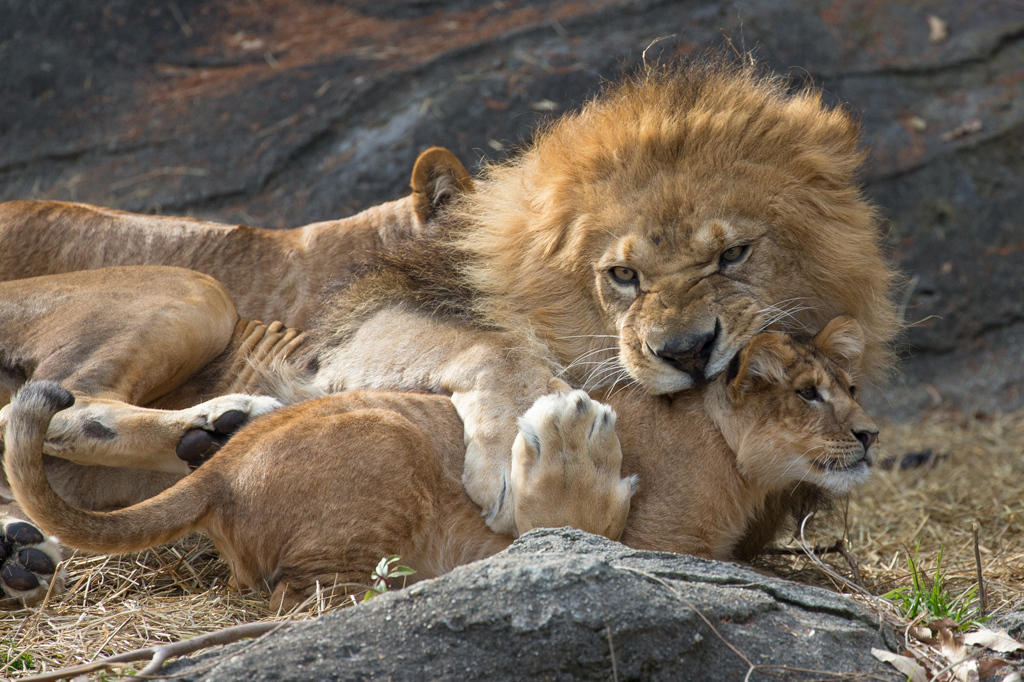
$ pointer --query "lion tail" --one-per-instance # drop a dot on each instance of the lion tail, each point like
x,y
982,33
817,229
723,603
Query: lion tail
x,y
163,518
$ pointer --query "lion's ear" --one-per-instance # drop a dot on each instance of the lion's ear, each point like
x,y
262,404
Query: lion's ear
x,y
843,340
437,177
763,360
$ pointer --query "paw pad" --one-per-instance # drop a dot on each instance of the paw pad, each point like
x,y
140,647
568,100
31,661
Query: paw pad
x,y
199,445
28,564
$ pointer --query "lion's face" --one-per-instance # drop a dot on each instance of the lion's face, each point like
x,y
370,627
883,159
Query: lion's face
x,y
685,290
651,235
792,414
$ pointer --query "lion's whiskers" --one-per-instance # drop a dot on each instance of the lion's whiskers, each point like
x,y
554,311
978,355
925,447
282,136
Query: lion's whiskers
x,y
799,459
581,360
605,370
779,314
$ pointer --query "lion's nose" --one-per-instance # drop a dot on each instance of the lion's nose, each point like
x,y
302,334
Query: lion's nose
x,y
690,353
866,438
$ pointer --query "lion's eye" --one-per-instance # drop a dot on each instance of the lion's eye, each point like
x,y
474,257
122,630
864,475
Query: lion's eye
x,y
623,275
734,253
809,394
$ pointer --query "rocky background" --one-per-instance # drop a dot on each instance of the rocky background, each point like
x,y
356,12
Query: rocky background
x,y
283,112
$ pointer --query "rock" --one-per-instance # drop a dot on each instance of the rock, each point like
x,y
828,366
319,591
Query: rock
x,y
1012,622
565,605
208,108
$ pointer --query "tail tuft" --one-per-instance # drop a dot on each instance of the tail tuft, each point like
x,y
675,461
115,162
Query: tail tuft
x,y
43,396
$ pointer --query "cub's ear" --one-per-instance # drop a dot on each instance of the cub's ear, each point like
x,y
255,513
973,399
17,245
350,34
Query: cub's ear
x,y
763,360
437,177
842,339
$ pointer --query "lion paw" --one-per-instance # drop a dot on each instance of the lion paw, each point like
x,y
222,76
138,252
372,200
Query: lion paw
x,y
216,421
566,467
29,564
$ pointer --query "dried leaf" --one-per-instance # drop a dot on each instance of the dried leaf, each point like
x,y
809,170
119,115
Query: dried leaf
x,y
922,634
994,640
950,643
987,669
914,671
951,646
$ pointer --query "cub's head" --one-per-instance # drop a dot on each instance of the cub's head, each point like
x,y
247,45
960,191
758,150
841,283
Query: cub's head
x,y
674,217
788,409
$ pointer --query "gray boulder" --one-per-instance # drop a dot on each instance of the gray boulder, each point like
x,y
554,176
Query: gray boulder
x,y
566,605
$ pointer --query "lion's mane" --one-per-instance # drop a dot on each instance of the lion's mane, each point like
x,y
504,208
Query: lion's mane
x,y
727,135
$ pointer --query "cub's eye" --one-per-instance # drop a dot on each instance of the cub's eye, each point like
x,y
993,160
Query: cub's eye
x,y
623,275
810,394
734,253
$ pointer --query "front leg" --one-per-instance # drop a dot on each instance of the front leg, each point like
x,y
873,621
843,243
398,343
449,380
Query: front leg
x,y
564,468
567,467
489,416
493,378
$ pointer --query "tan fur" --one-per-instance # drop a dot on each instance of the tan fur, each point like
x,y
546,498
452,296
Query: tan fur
x,y
164,337
354,477
270,274
180,347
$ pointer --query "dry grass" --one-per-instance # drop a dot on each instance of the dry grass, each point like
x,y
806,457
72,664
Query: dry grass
x,y
181,590
119,604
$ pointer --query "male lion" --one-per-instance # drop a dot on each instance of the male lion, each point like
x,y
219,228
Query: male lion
x,y
289,505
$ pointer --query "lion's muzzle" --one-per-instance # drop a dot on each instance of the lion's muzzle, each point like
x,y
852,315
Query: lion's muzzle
x,y
690,353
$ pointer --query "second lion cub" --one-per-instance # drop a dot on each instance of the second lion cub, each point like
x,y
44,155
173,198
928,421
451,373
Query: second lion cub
x,y
315,493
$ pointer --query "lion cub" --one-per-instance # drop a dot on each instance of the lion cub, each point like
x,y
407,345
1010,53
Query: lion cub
x,y
315,493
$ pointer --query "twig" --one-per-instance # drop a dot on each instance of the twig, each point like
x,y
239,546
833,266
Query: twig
x,y
800,551
729,40
180,18
158,654
825,568
982,596
849,560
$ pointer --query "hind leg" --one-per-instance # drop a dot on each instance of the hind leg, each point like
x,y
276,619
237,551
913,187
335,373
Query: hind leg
x,y
118,338
131,334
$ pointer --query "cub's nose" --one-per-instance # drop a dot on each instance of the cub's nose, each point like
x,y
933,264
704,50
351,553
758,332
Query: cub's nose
x,y
690,353
866,438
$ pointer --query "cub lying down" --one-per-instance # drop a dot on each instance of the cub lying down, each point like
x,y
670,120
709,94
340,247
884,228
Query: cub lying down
x,y
317,492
